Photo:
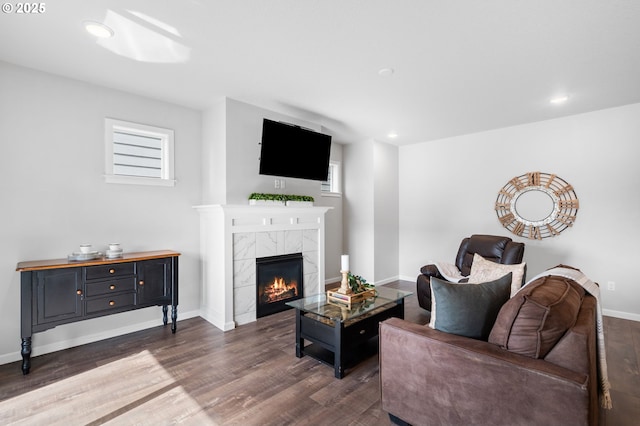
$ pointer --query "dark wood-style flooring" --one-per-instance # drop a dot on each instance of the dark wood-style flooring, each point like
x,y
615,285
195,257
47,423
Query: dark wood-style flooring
x,y
250,375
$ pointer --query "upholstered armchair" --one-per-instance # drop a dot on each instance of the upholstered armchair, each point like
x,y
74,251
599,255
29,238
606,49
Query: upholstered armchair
x,y
497,249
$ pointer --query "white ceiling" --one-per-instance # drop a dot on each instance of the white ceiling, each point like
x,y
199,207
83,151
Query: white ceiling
x,y
461,66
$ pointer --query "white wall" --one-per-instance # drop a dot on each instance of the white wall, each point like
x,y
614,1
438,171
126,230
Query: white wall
x,y
386,226
214,154
448,189
54,196
371,210
240,127
358,209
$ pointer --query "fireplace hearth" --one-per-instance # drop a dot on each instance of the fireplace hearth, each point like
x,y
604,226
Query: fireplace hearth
x,y
279,279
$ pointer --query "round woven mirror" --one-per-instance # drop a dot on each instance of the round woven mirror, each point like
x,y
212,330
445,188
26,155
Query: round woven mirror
x,y
537,205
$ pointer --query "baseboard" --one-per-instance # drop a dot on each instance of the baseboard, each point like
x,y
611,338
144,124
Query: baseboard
x,y
387,280
329,282
408,278
621,315
83,340
213,320
334,283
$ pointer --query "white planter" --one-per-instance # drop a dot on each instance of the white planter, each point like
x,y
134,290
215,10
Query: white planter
x,y
266,203
291,203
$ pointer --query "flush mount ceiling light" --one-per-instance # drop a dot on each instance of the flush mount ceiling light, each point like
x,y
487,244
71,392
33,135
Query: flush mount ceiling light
x,y
559,99
392,135
98,30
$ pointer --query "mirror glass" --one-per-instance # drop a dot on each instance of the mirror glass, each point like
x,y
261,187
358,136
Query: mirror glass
x,y
534,206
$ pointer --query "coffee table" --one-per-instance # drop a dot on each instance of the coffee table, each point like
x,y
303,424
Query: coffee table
x,y
340,336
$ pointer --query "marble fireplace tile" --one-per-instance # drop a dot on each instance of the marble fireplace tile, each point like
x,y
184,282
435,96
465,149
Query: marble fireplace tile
x,y
292,242
311,285
309,240
244,273
244,245
310,262
280,240
266,244
244,300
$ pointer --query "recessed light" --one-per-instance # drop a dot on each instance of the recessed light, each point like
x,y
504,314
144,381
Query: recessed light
x,y
98,30
386,72
392,135
559,99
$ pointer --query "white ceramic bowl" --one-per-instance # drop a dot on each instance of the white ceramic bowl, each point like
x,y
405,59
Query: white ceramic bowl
x,y
85,248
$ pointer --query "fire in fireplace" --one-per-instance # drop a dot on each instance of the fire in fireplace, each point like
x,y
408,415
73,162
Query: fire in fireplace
x,y
278,280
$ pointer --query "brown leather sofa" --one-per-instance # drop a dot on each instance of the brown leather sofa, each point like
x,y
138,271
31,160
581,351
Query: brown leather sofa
x,y
495,248
428,377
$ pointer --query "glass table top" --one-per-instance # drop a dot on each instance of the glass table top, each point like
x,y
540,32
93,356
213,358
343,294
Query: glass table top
x,y
318,304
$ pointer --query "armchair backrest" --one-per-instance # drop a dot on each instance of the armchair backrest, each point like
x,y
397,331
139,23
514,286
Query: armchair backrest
x,y
492,247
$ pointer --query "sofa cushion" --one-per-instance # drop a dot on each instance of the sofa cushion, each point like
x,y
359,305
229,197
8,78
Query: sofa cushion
x,y
483,270
467,309
533,320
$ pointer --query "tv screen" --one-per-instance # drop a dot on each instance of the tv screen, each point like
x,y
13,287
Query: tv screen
x,y
291,151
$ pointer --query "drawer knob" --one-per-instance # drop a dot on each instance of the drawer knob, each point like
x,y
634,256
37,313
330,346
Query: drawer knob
x,y
141,282
79,292
112,271
362,331
112,287
112,303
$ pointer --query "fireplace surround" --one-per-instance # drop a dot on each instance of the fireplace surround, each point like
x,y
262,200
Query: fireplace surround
x,y
232,237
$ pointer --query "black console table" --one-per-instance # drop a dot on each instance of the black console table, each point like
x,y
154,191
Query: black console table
x,y
59,291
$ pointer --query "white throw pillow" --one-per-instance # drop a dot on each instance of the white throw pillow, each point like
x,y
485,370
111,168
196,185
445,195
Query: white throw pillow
x,y
483,270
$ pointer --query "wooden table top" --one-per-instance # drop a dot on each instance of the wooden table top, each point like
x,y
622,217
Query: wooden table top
x,y
36,265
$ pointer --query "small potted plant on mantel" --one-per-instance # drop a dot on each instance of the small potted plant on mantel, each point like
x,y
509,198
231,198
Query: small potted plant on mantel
x,y
258,198
299,200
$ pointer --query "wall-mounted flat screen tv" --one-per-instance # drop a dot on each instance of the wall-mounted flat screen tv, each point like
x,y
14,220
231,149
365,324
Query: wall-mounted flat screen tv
x,y
292,151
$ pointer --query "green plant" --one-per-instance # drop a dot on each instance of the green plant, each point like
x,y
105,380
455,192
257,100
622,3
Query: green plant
x,y
279,197
262,196
358,284
299,198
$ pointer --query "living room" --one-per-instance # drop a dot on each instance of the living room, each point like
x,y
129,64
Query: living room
x,y
402,204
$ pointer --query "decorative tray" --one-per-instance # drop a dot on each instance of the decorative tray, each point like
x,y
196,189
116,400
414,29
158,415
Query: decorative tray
x,y
349,299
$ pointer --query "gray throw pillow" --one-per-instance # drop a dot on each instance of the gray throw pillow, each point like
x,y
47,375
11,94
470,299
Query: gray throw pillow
x,y
468,309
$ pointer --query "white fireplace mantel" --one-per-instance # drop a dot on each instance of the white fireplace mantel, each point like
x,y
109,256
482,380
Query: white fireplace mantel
x,y
233,236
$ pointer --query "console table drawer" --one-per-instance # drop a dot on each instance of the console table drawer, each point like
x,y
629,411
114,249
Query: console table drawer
x,y
113,303
110,286
112,270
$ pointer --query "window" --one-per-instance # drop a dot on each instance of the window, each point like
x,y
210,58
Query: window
x,y
138,154
331,186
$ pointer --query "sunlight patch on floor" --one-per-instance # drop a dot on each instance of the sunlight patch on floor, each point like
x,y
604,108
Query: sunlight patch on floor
x,y
132,390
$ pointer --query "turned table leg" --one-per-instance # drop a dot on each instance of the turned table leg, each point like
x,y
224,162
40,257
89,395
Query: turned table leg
x,y
26,355
174,318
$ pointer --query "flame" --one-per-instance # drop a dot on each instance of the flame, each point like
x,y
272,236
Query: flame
x,y
279,289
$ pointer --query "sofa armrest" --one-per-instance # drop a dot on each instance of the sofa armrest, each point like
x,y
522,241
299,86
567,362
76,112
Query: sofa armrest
x,y
423,285
430,377
431,271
